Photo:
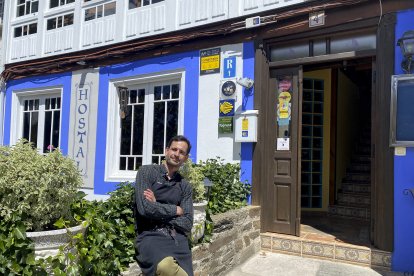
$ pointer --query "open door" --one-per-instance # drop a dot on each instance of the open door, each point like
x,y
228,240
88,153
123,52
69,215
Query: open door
x,y
282,158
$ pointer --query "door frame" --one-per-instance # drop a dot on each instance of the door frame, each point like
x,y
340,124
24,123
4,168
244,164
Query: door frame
x,y
382,173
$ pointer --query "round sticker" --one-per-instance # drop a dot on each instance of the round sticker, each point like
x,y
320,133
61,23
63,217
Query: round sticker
x,y
228,88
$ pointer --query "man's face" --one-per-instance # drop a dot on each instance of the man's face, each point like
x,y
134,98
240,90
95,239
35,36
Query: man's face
x,y
176,154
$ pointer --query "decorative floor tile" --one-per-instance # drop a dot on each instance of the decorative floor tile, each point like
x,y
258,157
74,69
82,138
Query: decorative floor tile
x,y
353,254
381,258
266,242
291,246
322,250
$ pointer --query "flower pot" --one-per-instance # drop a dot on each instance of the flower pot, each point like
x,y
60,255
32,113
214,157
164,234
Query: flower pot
x,y
199,218
47,243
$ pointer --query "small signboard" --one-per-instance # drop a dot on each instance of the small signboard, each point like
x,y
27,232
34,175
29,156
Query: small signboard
x,y
226,108
228,89
229,70
317,19
225,125
210,61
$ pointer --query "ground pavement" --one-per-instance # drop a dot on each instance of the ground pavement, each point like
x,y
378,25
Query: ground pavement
x,y
273,264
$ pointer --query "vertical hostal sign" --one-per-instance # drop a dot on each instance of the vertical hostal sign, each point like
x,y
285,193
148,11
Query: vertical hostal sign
x,y
80,145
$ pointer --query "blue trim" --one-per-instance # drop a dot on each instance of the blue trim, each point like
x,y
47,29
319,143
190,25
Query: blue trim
x,y
246,162
40,82
402,258
187,62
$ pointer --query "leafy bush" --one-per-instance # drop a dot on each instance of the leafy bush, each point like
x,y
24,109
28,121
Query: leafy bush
x,y
228,191
40,187
194,175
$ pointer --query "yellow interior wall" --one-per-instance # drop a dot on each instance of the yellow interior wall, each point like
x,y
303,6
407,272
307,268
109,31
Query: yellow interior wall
x,y
347,124
326,76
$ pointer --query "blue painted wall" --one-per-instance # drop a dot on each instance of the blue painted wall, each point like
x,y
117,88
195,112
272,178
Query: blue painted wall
x,y
247,104
188,62
403,255
62,80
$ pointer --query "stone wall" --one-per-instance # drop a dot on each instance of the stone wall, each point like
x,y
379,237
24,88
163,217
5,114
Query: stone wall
x,y
236,237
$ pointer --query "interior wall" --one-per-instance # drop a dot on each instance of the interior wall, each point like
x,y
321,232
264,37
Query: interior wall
x,y
348,116
325,75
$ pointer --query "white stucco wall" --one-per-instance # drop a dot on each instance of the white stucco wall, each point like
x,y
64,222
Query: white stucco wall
x,y
210,143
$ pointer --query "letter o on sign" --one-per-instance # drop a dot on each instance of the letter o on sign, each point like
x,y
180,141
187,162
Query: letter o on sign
x,y
82,109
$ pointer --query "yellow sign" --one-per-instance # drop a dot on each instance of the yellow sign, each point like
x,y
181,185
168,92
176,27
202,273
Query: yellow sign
x,y
210,63
245,124
226,107
284,99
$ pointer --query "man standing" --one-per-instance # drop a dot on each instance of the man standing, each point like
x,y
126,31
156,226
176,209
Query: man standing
x,y
164,214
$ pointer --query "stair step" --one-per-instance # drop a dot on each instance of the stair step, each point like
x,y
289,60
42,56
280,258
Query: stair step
x,y
364,188
349,212
360,158
357,177
359,168
354,199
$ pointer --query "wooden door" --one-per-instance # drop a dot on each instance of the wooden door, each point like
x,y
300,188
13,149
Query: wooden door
x,y
282,158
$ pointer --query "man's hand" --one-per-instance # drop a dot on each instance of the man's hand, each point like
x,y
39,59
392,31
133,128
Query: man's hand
x,y
180,211
149,195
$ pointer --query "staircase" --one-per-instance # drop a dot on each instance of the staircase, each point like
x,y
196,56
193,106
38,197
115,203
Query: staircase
x,y
354,196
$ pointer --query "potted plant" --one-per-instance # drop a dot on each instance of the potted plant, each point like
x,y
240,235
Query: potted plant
x,y
42,188
193,174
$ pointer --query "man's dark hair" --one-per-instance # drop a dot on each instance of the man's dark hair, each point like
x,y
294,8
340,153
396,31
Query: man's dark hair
x,y
180,138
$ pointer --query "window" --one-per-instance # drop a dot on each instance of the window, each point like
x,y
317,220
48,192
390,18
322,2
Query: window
x,y
25,7
100,11
25,30
41,121
145,117
140,3
60,21
57,3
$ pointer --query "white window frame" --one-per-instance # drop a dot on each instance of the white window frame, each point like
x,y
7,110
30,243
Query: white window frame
x,y
113,132
18,98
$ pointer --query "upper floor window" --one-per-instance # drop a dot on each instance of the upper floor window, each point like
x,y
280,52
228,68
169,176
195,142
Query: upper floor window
x,y
25,30
57,3
25,7
60,21
100,11
140,3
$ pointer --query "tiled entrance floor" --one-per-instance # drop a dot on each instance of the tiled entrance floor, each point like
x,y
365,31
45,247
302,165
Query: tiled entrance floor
x,y
331,238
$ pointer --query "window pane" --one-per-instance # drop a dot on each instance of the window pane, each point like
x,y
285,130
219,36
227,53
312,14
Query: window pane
x,y
58,102
110,8
157,93
51,24
47,104
132,96
141,95
166,92
155,160
33,28
158,130
56,128
126,133
90,14
157,1
18,32
54,3
130,163
59,22
175,91
122,163
100,11
134,4
146,2
172,119
26,125
35,7
20,10
33,126
53,103
138,130
47,131
138,162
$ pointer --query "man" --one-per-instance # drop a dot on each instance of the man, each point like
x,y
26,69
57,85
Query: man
x,y
164,214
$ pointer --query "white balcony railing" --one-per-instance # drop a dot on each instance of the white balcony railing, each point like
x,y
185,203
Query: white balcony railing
x,y
126,24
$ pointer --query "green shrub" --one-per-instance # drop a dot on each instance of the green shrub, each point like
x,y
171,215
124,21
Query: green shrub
x,y
40,187
194,175
227,192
